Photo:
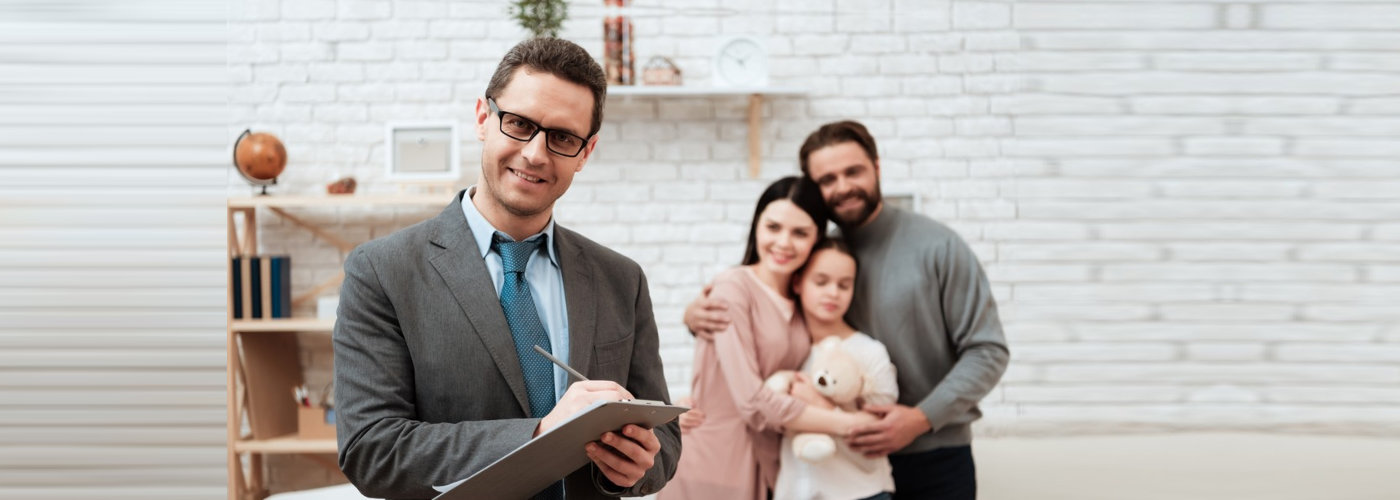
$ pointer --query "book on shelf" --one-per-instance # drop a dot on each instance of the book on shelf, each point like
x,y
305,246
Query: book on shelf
x,y
281,286
261,286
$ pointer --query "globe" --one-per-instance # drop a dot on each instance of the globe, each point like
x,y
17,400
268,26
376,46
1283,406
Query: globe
x,y
259,157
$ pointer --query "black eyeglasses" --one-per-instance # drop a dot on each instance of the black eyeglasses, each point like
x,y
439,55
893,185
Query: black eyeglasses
x,y
523,129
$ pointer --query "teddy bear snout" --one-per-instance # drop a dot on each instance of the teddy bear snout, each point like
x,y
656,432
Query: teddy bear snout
x,y
822,381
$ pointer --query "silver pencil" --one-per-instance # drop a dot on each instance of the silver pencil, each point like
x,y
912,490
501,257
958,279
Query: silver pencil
x,y
561,364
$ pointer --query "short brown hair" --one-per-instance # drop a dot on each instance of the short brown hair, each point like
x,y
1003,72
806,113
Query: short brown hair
x,y
558,57
836,133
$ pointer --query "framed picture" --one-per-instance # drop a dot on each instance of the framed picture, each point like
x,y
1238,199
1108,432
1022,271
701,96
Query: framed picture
x,y
908,200
422,151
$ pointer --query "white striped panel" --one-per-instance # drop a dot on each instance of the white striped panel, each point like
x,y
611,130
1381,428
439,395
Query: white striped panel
x,y
114,153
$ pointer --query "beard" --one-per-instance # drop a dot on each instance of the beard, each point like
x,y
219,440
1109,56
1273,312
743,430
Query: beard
x,y
858,216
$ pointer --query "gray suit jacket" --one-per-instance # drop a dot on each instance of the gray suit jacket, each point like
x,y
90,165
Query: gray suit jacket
x,y
428,388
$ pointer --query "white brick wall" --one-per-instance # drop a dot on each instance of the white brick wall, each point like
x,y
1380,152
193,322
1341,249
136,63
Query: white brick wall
x,y
1242,214
1185,208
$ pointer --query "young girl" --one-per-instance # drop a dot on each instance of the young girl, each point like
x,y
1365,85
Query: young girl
x,y
824,289
733,454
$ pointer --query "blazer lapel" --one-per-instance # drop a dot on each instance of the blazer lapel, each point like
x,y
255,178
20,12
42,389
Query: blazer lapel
x,y
579,298
460,264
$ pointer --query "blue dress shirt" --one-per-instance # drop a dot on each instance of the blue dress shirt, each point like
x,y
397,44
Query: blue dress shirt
x,y
545,279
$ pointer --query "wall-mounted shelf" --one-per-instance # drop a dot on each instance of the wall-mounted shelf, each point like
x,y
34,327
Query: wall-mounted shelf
x,y
697,91
337,200
288,444
282,325
755,94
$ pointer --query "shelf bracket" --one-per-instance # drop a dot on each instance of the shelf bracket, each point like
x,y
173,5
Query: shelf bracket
x,y
755,131
343,245
333,282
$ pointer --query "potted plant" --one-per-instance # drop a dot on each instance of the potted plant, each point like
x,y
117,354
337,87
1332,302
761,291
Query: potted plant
x,y
540,17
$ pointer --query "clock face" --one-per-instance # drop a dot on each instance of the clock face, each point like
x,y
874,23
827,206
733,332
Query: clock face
x,y
741,62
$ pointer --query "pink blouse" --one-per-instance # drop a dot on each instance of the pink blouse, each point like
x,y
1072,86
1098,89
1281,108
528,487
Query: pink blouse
x,y
734,453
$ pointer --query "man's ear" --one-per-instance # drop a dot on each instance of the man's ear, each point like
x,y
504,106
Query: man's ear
x,y
587,152
483,113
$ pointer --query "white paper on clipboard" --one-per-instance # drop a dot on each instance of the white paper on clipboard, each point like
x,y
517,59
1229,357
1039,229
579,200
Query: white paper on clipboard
x,y
551,456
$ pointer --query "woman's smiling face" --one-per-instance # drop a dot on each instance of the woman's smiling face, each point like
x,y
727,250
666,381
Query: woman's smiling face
x,y
784,237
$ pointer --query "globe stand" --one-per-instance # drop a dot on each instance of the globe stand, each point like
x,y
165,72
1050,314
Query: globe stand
x,y
265,185
260,185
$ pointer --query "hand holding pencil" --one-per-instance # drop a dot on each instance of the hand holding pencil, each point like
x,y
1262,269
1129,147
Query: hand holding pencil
x,y
623,456
579,396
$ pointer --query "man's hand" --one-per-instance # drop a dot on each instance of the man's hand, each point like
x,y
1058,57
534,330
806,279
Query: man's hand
x,y
705,316
803,389
898,426
690,419
626,456
581,395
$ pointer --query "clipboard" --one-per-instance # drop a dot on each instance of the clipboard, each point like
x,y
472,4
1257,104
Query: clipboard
x,y
553,455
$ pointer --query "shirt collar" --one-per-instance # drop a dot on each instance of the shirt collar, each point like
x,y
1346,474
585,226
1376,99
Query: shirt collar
x,y
483,231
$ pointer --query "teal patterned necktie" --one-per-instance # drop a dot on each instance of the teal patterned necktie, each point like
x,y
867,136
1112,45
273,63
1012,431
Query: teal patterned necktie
x,y
525,326
528,331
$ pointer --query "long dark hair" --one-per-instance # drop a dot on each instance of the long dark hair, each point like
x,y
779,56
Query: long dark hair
x,y
802,192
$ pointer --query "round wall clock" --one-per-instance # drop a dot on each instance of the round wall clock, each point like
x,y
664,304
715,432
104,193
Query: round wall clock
x,y
740,61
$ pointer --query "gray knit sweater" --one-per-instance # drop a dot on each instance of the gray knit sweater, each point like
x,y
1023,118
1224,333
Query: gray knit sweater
x,y
921,291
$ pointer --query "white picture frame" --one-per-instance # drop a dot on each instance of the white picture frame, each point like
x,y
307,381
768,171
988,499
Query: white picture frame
x,y
906,199
422,151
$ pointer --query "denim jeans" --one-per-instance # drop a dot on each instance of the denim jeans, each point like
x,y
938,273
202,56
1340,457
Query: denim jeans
x,y
939,474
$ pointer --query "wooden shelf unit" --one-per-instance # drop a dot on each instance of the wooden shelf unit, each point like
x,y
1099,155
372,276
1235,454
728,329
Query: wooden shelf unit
x,y
755,94
264,359
289,443
282,325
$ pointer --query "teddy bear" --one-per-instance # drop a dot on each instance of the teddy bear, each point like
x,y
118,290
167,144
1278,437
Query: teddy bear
x,y
834,374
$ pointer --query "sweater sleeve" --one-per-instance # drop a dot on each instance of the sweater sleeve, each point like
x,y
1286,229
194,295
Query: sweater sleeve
x,y
737,356
974,330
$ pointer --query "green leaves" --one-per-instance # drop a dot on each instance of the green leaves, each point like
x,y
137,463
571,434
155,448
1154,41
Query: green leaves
x,y
540,17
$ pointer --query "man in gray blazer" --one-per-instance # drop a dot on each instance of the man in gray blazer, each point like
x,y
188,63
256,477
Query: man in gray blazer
x,y
434,372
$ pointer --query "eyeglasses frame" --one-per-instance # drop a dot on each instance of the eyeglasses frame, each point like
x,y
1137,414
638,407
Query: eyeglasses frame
x,y
501,115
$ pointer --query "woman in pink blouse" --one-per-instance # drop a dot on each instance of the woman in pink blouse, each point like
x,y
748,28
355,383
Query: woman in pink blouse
x,y
733,454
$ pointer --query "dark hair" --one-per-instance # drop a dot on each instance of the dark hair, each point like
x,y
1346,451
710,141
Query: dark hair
x,y
836,133
836,243
557,57
802,192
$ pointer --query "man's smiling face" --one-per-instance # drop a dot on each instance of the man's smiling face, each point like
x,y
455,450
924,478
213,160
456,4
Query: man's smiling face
x,y
525,178
849,181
